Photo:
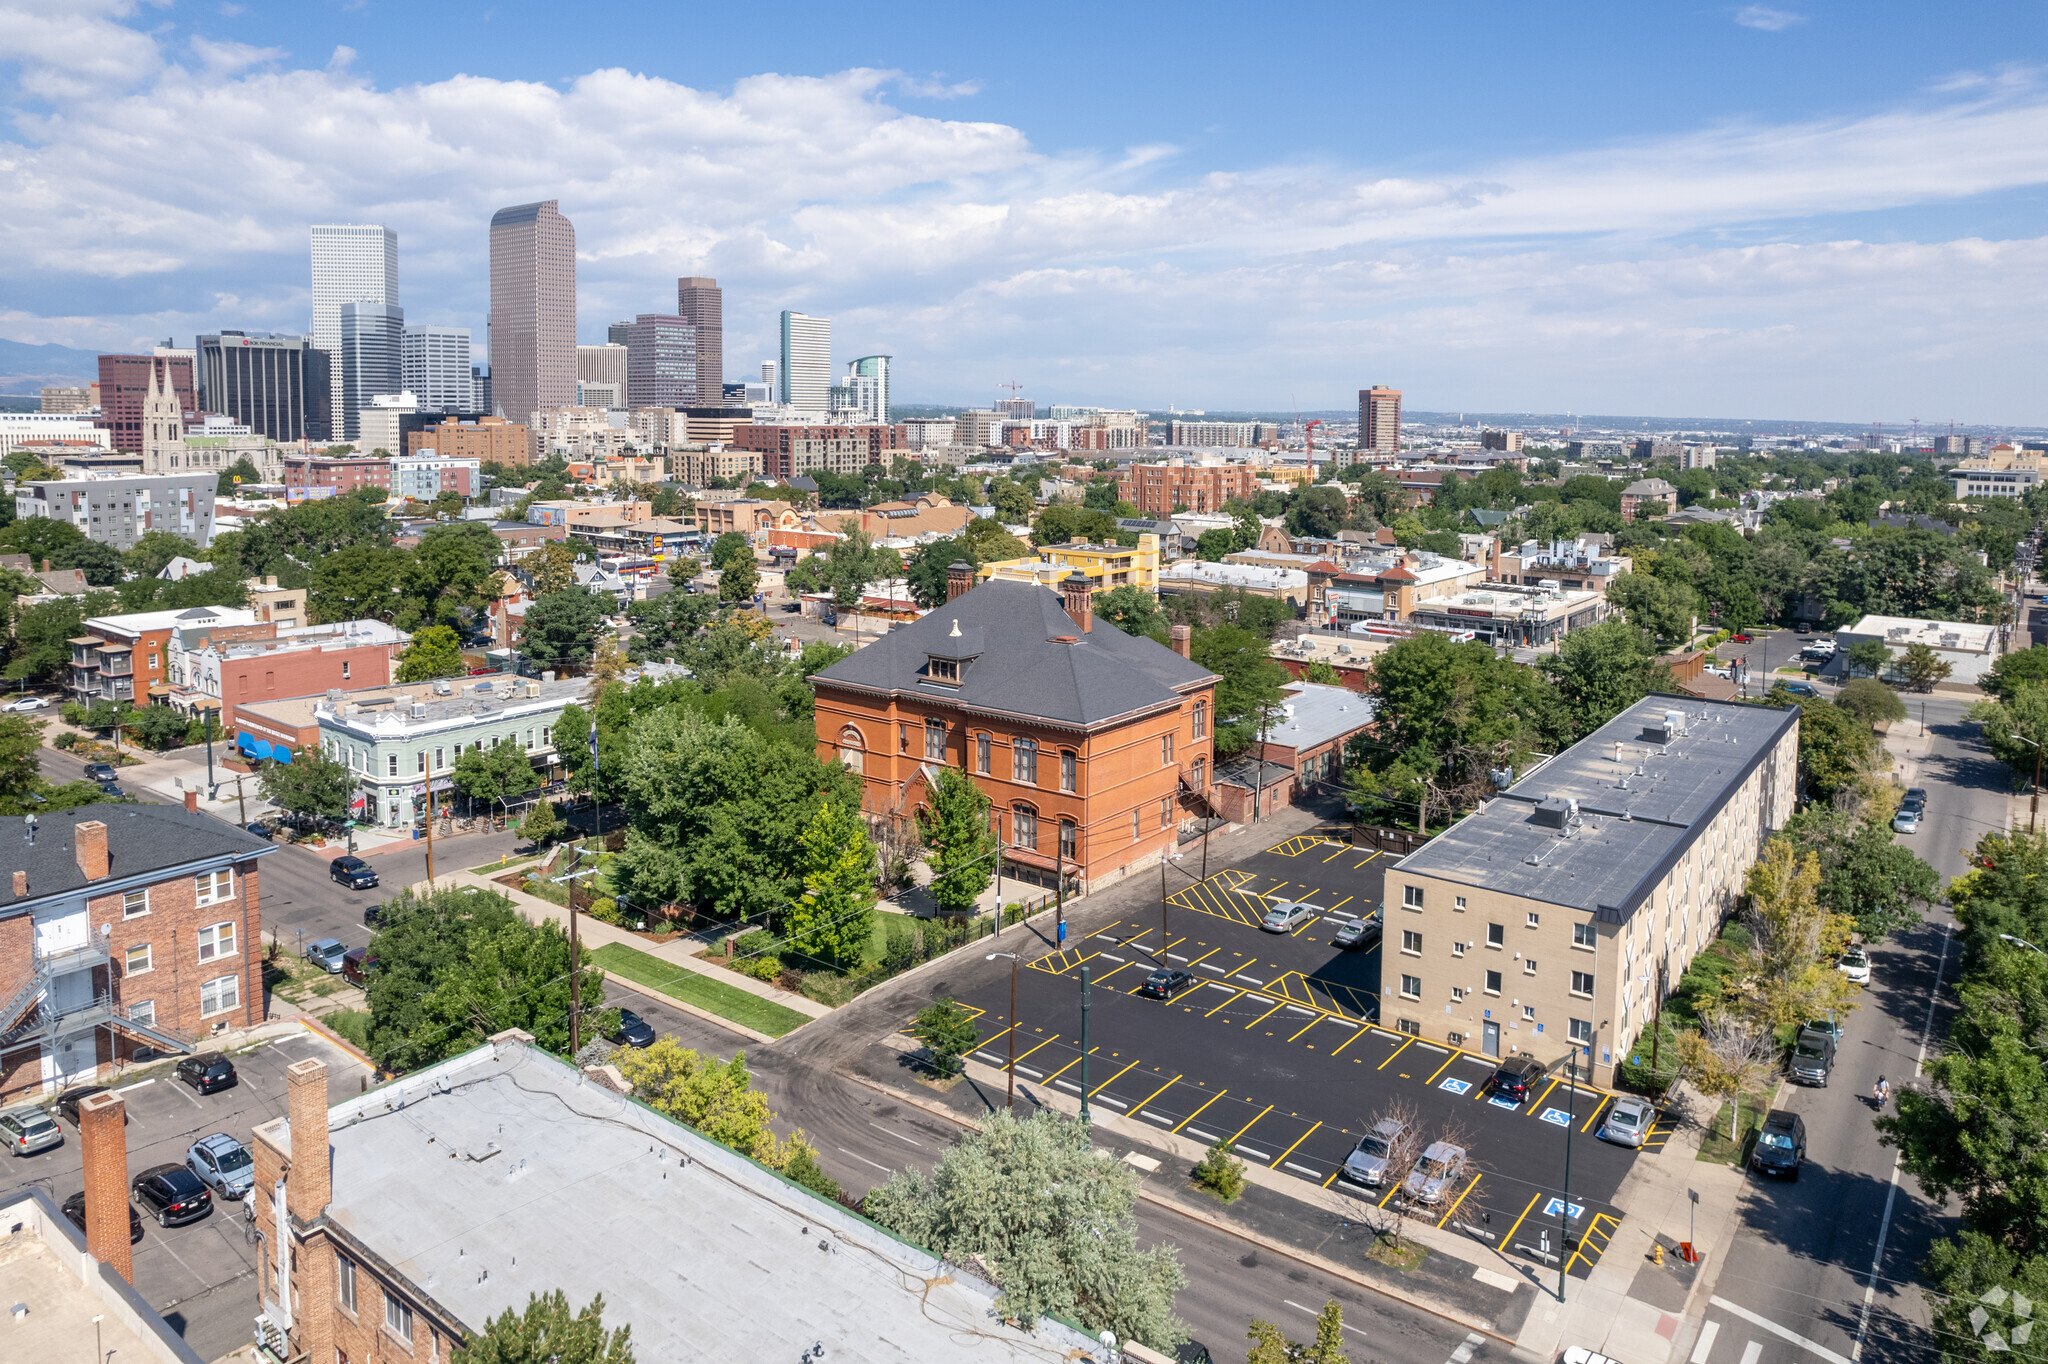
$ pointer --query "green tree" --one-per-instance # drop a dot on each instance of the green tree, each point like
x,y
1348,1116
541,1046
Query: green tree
x,y
1318,512
1665,609
853,562
993,544
834,918
1131,610
1245,529
729,548
1062,523
451,575
1869,658
1871,701
2015,728
358,582
552,567
1212,545
546,1333
2020,668
1866,874
563,627
682,569
948,1033
954,825
1013,504
1247,688
434,652
929,569
241,471
738,580
540,827
1835,748
157,727
1919,667
41,651
155,550
1051,1219
1796,939
308,785
495,774
1271,1346
1451,699
717,1099
21,770
1601,672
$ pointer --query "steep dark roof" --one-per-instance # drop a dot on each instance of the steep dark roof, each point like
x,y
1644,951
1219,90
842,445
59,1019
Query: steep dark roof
x,y
140,839
1104,674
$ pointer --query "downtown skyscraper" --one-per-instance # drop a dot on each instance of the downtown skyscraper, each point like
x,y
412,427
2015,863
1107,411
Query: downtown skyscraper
x,y
352,263
533,310
701,303
805,373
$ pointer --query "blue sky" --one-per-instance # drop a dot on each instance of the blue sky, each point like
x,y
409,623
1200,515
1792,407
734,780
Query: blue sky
x,y
1798,210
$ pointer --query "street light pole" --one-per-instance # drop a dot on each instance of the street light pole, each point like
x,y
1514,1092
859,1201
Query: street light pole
x,y
1084,1044
1010,1099
2034,806
2022,942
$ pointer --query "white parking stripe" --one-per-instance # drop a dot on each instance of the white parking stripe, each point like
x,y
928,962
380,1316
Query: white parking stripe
x,y
1148,1113
1105,1099
1705,1346
1312,1174
1463,1354
1736,1310
1253,979
1752,1352
1108,956
137,1085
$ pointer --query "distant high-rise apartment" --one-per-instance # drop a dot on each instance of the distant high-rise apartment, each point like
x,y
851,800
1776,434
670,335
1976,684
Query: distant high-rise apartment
x,y
607,365
533,309
1379,420
1509,441
701,303
868,377
352,263
661,362
66,399
372,359
617,333
124,384
277,386
805,370
480,388
435,368
1018,409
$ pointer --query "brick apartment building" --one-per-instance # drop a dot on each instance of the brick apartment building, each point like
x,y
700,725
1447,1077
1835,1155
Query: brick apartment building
x,y
343,474
124,386
126,658
490,439
1090,743
122,927
1163,489
232,665
781,443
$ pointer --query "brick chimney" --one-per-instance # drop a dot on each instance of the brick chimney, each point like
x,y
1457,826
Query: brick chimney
x,y
20,884
192,801
1184,641
959,578
90,844
103,1142
309,1186
1074,596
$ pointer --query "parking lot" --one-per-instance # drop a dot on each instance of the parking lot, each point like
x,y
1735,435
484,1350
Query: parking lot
x,y
201,1276
1274,1051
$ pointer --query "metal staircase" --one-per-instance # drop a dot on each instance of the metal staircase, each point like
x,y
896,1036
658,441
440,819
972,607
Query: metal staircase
x,y
30,1016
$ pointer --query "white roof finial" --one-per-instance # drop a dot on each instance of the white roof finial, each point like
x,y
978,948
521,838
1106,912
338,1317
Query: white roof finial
x,y
956,629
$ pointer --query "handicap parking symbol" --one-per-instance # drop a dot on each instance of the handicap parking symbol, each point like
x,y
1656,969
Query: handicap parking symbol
x,y
1498,1102
1556,1206
1557,1116
1457,1086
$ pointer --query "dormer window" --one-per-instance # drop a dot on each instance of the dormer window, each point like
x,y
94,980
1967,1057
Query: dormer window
x,y
943,669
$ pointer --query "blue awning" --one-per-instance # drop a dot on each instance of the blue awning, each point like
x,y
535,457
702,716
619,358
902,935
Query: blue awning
x,y
281,753
245,741
260,749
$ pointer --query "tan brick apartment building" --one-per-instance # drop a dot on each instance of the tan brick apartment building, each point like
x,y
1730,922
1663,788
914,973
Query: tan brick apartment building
x,y
1163,489
493,440
1541,921
122,926
782,445
1087,740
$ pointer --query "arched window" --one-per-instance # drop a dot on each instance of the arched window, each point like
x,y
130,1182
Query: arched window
x,y
1201,719
1024,761
1024,821
850,748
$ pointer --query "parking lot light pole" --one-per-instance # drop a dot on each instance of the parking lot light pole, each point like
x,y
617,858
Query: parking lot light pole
x,y
1084,1044
1010,1099
2034,809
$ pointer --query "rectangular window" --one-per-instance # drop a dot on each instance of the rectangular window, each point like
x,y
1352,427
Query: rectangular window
x,y
1067,839
1528,1012
143,1012
344,670
529,738
217,940
220,994
440,759
1535,919
1166,812
1070,765
1582,1031
1411,897
1026,821
1411,942
1458,903
1408,1027
391,764
1582,983
1457,994
1201,719
1137,825
214,886
1493,982
546,733
1585,935
903,737
1528,966
422,762
1457,949
1496,935
398,1318
981,747
134,904
345,1281
1024,762
1411,987
1166,750
935,740
136,960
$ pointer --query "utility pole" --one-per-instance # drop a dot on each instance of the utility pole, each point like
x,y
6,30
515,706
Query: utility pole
x,y
575,985
1084,1044
241,810
208,722
430,830
1059,895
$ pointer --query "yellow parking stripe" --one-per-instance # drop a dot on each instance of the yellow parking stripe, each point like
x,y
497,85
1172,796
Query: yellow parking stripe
x,y
1110,1081
1204,957
1593,1230
1397,1051
1341,850
1333,1176
1249,1126
1155,1093
1304,928
1600,1108
1508,1239
1461,1199
1358,1033
1290,1150
1046,1043
1232,1000
1114,969
1388,1196
1070,1065
1278,1005
997,1037
1311,1023
1198,1112
1341,903
1442,1068
1535,1105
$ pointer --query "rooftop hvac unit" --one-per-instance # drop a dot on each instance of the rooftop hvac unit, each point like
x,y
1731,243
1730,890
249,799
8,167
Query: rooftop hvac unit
x,y
419,710
441,688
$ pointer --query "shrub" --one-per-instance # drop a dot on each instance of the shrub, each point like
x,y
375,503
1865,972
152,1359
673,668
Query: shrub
x,y
73,713
900,946
760,968
948,1033
832,991
606,910
65,740
1221,1173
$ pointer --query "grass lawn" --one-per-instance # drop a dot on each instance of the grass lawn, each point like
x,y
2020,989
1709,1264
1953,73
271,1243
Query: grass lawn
x,y
714,996
1715,1144
495,868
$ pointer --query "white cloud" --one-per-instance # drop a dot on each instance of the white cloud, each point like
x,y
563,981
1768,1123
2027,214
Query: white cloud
x,y
1130,275
1768,19
936,88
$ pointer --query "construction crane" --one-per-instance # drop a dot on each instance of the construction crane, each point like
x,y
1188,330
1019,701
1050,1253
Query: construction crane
x,y
1309,431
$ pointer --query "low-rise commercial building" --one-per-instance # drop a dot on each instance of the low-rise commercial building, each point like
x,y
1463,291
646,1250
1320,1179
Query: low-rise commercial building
x,y
1514,616
1587,564
1549,918
1193,577
1103,566
126,658
1969,650
2001,471
219,668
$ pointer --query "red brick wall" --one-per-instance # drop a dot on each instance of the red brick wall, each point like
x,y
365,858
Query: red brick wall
x,y
345,474
307,672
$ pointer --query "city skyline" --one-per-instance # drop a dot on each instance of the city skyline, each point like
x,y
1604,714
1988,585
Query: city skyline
x,y
1797,239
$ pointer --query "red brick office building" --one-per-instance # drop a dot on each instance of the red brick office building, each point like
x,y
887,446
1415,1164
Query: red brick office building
x,y
124,384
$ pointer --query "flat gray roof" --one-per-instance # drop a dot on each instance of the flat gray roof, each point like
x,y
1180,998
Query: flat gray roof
x,y
1632,824
1316,712
504,1171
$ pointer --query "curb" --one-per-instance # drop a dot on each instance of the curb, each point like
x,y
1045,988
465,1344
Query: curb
x,y
1280,1248
670,1001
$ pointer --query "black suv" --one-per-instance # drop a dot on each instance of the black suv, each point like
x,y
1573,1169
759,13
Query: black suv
x,y
1813,1058
173,1194
1515,1079
1780,1146
1165,983
70,1099
208,1072
74,1209
352,872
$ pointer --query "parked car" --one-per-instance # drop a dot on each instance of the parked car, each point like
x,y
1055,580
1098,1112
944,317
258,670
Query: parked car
x,y
1367,1163
632,1030
1165,983
1579,1354
1855,964
357,966
259,828
1804,689
373,915
172,1194
1813,1059
70,1099
1359,933
1780,1146
208,1071
100,772
223,1165
1436,1174
27,703
1916,795
1628,1122
25,1131
1740,638
1827,1027
1284,916
1802,628
74,1209
113,788
353,872
327,954
1516,1078
1906,821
